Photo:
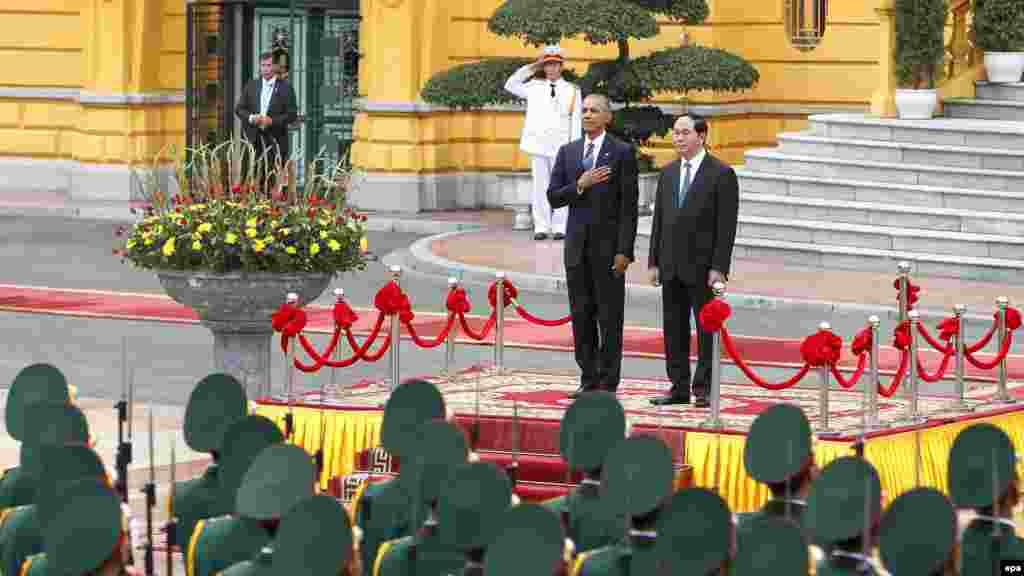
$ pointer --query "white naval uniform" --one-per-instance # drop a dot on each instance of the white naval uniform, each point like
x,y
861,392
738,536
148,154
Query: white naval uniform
x,y
550,123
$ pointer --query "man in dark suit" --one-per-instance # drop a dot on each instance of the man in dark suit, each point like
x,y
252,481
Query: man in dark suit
x,y
267,107
596,177
692,237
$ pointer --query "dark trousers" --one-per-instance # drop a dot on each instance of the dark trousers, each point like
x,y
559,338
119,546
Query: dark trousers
x,y
596,300
678,299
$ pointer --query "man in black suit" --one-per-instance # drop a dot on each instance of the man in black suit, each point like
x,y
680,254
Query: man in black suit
x,y
267,107
596,177
692,236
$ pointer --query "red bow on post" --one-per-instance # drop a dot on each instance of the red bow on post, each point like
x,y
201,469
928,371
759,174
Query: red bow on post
x,y
901,336
289,320
861,342
1013,319
510,293
458,302
714,314
344,316
822,349
391,300
948,328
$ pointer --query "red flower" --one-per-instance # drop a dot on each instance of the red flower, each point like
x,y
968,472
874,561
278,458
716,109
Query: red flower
x,y
714,314
861,342
822,349
236,189
510,293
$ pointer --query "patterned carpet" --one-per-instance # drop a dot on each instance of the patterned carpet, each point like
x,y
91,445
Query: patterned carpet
x,y
543,395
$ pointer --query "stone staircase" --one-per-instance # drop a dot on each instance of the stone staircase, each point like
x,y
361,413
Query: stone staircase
x,y
855,192
991,102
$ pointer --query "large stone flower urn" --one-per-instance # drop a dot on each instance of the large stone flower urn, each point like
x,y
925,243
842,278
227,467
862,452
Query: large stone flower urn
x,y
237,308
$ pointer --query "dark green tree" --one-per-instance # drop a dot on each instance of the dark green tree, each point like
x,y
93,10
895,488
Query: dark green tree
x,y
626,79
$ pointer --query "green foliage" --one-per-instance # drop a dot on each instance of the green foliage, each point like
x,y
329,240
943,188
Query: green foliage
x,y
686,11
616,79
920,29
999,25
539,22
695,67
477,84
638,123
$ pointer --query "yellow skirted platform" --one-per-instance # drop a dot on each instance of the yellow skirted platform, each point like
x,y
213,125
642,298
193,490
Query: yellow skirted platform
x,y
717,459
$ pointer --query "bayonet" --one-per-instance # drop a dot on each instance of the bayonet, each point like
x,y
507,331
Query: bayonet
x,y
172,523
150,492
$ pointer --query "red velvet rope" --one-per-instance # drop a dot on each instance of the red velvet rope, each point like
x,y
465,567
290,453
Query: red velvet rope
x,y
897,378
862,362
484,331
940,372
539,321
948,348
730,347
438,340
1004,350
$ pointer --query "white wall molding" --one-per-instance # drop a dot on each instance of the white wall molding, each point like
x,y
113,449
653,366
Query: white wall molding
x,y
86,97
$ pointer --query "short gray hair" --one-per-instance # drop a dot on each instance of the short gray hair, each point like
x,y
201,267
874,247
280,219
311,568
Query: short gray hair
x,y
605,101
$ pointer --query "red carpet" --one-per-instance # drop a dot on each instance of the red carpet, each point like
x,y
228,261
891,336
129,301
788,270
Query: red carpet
x,y
638,341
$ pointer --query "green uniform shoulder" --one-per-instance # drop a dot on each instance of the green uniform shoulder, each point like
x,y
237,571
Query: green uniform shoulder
x,y
219,543
604,561
35,565
20,537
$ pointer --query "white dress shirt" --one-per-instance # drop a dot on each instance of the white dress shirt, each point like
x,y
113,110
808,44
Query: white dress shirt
x,y
598,143
266,92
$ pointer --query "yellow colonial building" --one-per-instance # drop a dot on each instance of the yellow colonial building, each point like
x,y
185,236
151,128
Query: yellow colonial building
x,y
91,88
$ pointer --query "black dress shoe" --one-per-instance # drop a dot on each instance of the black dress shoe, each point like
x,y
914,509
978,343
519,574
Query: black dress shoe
x,y
702,402
670,400
558,236
540,236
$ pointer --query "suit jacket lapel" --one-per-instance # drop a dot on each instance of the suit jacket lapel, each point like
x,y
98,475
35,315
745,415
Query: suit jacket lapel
x,y
701,185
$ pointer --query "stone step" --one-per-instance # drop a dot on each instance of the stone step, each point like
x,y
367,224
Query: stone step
x,y
937,131
1008,92
852,258
904,152
832,189
896,239
1003,110
772,160
881,214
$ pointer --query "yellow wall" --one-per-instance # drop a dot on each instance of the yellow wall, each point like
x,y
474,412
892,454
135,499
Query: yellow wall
x,y
841,70
100,47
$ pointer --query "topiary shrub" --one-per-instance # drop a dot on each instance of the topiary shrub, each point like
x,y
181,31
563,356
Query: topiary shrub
x,y
999,25
920,28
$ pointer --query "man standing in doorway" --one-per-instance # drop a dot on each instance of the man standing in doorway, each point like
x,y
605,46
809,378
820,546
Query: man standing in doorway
x,y
266,108
596,177
553,118
692,237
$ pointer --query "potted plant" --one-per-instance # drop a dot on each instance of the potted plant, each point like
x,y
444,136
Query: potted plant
x,y
920,26
232,244
999,31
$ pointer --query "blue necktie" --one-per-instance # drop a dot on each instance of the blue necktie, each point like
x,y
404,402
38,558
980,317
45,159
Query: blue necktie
x,y
588,158
683,188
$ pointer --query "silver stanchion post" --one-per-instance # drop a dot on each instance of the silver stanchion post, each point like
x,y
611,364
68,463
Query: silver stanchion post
x,y
871,386
396,335
289,366
904,268
1002,395
715,418
960,404
912,392
449,348
499,324
823,385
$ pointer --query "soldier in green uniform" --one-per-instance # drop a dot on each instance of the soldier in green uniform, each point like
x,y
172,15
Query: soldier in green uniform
x,y
216,402
21,527
308,541
918,535
220,542
528,540
472,499
843,510
982,475
381,509
637,480
592,425
88,538
695,534
430,455
770,545
34,384
778,452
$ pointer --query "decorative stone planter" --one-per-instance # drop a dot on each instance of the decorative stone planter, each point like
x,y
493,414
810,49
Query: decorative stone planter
x,y
237,308
916,104
1004,67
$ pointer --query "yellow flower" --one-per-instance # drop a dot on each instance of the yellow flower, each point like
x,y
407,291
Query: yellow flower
x,y
205,227
314,249
196,235
197,245
290,250
323,234
325,222
364,244
258,246
334,245
159,231
148,241
286,231
273,224
130,245
251,222
169,246
231,238
250,232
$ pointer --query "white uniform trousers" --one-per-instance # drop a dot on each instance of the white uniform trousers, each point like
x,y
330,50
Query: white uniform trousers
x,y
545,219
